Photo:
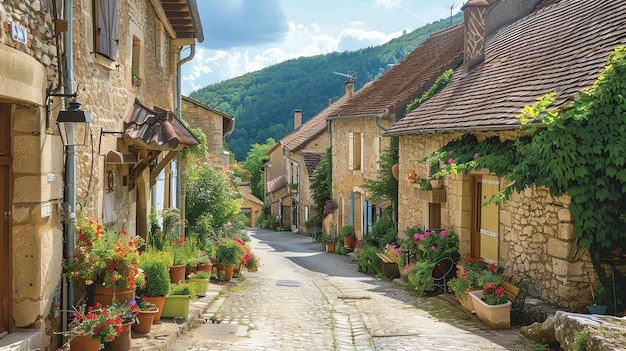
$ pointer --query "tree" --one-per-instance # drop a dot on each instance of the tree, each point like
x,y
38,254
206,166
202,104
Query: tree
x,y
385,186
257,156
322,183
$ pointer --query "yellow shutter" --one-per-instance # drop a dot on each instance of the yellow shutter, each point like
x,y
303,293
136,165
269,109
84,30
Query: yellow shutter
x,y
351,151
489,220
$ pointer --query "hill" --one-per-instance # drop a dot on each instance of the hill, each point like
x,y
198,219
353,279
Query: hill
x,y
262,102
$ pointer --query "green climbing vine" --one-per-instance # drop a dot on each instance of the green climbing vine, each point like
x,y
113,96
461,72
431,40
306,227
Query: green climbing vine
x,y
442,81
578,150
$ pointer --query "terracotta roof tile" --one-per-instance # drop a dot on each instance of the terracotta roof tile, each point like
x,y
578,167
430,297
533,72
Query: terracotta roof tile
x,y
402,82
560,47
157,128
311,161
311,128
276,183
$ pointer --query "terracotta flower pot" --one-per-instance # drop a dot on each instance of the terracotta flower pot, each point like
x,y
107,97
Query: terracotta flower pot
x,y
121,342
84,343
105,295
177,273
205,267
145,319
158,301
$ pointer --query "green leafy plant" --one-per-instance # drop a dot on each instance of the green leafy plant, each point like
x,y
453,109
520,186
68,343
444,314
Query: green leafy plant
x,y
102,324
199,275
156,276
229,252
442,81
580,340
183,289
467,281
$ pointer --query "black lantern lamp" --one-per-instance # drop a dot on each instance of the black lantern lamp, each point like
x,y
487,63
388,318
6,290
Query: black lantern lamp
x,y
74,124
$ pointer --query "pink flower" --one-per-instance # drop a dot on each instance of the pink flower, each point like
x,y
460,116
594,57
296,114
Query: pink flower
x,y
475,156
444,233
433,248
450,161
450,152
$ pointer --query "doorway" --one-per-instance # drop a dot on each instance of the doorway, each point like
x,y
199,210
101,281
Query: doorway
x,y
5,216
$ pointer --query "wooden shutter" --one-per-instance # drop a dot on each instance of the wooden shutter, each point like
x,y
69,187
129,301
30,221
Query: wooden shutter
x,y
377,141
362,152
351,151
489,220
351,212
106,28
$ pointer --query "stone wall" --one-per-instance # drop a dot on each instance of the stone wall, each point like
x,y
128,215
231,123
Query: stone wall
x,y
346,180
536,230
211,124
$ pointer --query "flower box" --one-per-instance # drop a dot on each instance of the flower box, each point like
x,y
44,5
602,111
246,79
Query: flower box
x,y
432,196
494,316
176,306
200,285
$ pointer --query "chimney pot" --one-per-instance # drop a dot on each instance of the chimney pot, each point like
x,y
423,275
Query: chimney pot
x,y
297,118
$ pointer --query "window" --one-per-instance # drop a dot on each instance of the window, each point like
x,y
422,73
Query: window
x,y
105,27
355,151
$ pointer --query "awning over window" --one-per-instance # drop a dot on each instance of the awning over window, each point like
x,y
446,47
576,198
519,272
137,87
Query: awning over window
x,y
148,133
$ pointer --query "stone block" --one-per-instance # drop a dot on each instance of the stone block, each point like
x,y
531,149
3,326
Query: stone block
x,y
560,267
566,231
558,248
564,215
27,189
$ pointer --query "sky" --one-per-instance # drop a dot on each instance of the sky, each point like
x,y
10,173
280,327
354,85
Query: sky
x,y
242,36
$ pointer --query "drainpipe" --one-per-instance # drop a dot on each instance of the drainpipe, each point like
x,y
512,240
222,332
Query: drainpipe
x,y
70,166
180,201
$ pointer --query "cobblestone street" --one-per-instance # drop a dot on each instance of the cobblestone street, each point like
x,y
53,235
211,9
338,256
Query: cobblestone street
x,y
305,299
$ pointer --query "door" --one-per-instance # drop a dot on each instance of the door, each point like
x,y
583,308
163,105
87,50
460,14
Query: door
x,y
5,217
485,233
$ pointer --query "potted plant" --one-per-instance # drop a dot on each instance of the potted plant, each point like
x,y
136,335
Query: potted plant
x,y
146,311
253,263
177,301
463,285
229,253
105,261
200,281
157,282
491,304
127,311
182,251
91,326
347,233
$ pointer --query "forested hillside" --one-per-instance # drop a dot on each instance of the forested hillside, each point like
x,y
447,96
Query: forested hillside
x,y
262,102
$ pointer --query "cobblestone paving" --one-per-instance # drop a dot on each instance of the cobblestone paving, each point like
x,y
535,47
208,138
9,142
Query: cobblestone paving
x,y
333,307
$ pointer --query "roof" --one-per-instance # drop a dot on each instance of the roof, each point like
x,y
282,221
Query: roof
x,y
311,128
277,183
311,161
156,129
184,18
402,82
560,47
248,196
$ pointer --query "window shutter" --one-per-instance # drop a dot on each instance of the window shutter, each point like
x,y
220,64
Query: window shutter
x,y
351,213
377,151
362,152
351,151
106,28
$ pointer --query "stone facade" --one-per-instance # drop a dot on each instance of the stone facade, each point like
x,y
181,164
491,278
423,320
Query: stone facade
x,y
214,124
367,134
535,229
32,260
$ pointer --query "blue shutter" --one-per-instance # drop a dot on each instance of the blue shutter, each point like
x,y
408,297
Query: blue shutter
x,y
369,217
351,213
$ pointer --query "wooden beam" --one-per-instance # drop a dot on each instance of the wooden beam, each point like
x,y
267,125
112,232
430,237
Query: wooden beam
x,y
155,172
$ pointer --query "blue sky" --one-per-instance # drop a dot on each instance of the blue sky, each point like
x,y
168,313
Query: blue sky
x,y
243,36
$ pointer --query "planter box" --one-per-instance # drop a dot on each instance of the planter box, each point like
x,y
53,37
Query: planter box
x,y
200,286
390,270
494,316
176,306
432,196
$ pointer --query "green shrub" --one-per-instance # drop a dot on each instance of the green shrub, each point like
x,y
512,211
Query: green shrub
x,y
157,278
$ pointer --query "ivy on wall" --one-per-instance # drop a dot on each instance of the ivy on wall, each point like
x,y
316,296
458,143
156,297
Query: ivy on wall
x,y
442,81
578,150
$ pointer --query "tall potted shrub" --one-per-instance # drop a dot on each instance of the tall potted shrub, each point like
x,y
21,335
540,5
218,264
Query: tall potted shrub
x,y
347,232
229,253
157,283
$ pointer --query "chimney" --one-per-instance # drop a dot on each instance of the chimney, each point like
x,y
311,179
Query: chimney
x,y
350,88
474,14
330,102
297,118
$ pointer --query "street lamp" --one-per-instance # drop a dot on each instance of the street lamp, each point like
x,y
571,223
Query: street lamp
x,y
74,124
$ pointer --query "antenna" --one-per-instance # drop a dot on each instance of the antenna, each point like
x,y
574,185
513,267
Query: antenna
x,y
452,6
350,75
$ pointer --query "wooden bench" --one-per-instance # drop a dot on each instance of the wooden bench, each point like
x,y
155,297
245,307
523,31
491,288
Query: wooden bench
x,y
516,289
389,259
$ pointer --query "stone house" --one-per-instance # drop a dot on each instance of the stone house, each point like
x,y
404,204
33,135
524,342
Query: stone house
x,y
358,126
115,58
295,157
216,126
559,46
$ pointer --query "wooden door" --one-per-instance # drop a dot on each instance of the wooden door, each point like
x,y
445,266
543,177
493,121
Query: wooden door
x,y
5,217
